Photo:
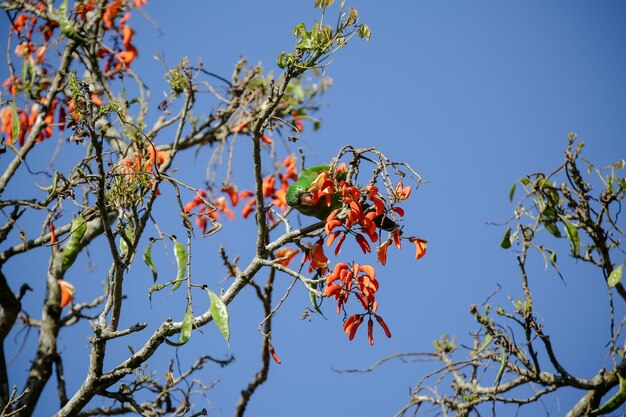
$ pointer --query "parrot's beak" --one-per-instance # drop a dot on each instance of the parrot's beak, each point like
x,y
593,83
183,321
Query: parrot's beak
x,y
307,199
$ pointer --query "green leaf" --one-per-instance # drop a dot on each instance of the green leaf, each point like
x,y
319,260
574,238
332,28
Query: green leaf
x,y
185,330
306,38
512,192
572,234
282,60
506,241
320,4
616,276
181,261
551,227
147,258
525,181
219,312
15,129
365,32
485,343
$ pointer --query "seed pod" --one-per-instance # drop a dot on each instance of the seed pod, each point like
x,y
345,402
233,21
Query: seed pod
x,y
72,247
181,261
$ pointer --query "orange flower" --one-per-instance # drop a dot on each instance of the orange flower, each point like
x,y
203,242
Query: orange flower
x,y
74,110
157,157
24,49
6,117
139,3
222,206
273,353
365,246
11,83
382,252
290,165
317,258
240,127
53,236
83,9
125,58
123,20
196,201
67,292
232,194
20,22
280,199
41,53
398,210
110,13
248,208
370,331
297,121
383,325
340,283
420,247
268,185
266,139
372,195
127,36
402,193
287,253
323,187
95,98
245,194
351,325
395,235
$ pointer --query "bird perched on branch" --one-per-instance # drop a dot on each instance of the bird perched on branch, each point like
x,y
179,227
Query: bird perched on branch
x,y
315,194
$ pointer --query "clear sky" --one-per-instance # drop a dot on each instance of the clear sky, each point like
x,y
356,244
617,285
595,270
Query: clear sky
x,y
473,95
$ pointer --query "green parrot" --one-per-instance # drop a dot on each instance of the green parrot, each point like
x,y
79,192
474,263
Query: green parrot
x,y
301,199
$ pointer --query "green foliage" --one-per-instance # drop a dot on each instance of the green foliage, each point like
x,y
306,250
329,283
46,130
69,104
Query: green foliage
x,y
506,240
445,345
313,46
179,79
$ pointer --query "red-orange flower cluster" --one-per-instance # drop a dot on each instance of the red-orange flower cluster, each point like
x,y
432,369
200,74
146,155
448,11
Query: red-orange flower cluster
x,y
27,120
271,190
359,280
209,211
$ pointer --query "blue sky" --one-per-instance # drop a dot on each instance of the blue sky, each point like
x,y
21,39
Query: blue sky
x,y
473,95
